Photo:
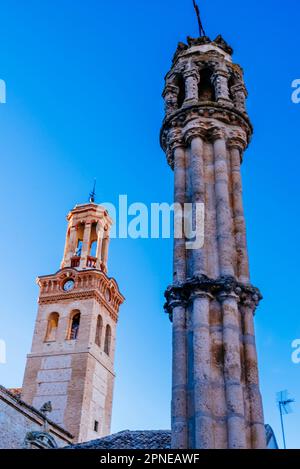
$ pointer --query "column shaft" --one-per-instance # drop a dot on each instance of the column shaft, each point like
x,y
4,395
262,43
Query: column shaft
x,y
198,196
71,247
191,87
257,427
233,374
104,255
179,257
224,216
239,218
85,245
201,363
99,246
179,380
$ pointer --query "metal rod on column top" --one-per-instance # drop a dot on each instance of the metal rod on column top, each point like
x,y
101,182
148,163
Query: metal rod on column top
x,y
201,29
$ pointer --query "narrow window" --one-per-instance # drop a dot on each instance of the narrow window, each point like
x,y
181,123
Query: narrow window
x,y
96,426
181,93
107,341
206,87
99,331
52,327
74,326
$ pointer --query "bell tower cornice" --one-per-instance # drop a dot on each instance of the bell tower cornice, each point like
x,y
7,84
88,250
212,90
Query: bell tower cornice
x,y
85,284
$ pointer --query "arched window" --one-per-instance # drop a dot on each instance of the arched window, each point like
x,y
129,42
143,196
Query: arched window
x,y
74,325
52,327
107,341
206,87
99,331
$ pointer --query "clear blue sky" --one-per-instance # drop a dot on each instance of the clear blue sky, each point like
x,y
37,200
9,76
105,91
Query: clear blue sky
x,y
84,80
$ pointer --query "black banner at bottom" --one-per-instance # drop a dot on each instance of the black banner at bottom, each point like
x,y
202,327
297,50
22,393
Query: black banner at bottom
x,y
138,458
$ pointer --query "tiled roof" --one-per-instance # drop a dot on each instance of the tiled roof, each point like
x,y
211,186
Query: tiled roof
x,y
145,439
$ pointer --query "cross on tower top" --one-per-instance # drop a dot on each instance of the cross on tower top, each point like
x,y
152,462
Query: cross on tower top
x,y
201,29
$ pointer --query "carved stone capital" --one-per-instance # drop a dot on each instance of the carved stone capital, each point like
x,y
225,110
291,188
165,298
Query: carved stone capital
x,y
199,293
235,142
176,297
217,133
219,289
219,72
170,89
175,139
195,132
191,72
239,87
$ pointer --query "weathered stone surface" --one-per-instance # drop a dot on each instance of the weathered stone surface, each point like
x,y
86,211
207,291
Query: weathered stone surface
x,y
23,426
204,134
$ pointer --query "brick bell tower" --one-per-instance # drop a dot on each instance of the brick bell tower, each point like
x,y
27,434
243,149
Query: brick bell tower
x,y
216,401
71,362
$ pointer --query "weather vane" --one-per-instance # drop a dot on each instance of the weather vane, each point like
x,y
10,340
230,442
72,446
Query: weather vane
x,y
201,29
93,193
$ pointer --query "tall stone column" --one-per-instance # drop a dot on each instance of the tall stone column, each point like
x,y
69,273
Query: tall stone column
x,y
179,421
256,417
233,372
179,262
236,148
195,141
224,216
216,400
178,306
201,370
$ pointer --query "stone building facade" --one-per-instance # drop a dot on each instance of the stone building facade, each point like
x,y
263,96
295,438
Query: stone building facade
x,y
24,427
71,362
216,401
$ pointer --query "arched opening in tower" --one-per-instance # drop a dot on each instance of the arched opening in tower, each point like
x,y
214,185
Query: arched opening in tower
x,y
107,341
206,90
52,327
181,93
231,83
74,327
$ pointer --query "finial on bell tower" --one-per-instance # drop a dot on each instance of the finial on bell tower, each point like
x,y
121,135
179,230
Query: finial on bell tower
x,y
92,196
201,29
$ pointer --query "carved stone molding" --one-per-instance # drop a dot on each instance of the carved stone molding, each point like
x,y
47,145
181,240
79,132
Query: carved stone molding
x,y
217,133
208,111
194,132
247,295
88,284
